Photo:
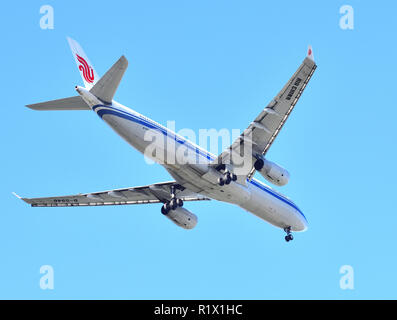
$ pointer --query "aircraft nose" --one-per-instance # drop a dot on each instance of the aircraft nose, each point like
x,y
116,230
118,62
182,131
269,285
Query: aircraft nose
x,y
301,223
300,226
304,224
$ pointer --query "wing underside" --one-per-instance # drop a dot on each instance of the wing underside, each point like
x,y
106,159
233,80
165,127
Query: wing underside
x,y
258,137
155,193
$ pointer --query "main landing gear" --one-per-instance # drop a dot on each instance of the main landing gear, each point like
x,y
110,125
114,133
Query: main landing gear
x,y
289,236
172,204
227,178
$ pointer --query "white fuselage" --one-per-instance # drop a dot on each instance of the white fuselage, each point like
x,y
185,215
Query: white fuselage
x,y
196,175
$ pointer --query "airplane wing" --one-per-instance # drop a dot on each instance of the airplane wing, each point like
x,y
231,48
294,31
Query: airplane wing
x,y
260,134
155,193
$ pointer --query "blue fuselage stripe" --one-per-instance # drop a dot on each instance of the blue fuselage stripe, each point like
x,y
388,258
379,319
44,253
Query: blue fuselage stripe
x,y
150,125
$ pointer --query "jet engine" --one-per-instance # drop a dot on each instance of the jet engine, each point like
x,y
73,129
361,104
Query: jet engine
x,y
181,217
272,172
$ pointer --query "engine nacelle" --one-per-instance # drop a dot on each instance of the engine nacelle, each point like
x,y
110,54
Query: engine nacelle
x,y
182,218
272,172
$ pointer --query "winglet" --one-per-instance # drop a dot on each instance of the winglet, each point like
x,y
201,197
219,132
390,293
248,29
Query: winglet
x,y
23,199
310,53
16,195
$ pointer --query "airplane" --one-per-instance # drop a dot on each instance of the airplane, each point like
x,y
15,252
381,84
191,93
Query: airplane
x,y
223,178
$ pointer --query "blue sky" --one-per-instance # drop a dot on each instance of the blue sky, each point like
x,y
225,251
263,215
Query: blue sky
x,y
204,64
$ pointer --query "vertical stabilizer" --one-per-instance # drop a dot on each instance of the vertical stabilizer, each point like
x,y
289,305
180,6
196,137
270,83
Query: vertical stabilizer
x,y
87,72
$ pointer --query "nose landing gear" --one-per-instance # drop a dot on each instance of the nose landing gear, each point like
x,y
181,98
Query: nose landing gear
x,y
289,236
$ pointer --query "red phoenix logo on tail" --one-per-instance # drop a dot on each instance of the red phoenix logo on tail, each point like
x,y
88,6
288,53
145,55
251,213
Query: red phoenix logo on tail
x,y
88,72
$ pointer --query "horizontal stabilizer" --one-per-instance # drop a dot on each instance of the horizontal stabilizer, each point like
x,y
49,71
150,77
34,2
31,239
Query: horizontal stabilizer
x,y
72,103
106,86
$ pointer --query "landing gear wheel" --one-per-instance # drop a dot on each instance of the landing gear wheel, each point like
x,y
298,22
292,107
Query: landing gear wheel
x,y
227,178
174,204
164,209
179,202
289,236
